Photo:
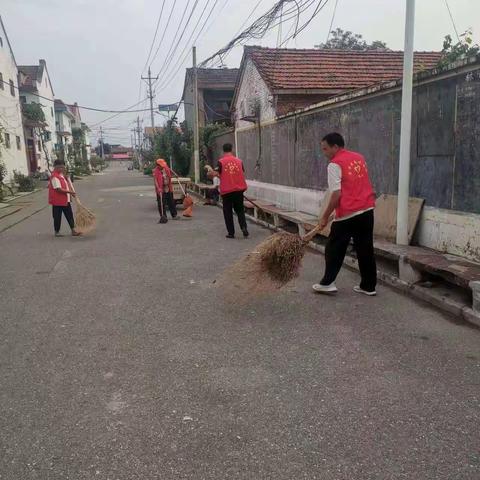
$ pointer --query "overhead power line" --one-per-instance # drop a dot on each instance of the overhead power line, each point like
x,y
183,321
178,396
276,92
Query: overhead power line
x,y
154,36
174,38
187,45
164,33
127,110
266,22
104,110
333,19
453,21
184,59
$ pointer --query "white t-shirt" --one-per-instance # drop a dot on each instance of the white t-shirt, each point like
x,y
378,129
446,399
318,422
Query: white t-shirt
x,y
56,184
334,172
216,181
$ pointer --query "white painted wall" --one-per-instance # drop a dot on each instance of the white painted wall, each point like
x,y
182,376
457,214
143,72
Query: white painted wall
x,y
88,145
253,87
447,231
10,112
63,126
45,90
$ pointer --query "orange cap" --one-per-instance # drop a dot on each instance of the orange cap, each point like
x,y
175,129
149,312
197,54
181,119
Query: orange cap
x,y
162,163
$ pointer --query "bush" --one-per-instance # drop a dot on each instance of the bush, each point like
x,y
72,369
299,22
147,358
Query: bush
x,y
147,170
25,183
97,163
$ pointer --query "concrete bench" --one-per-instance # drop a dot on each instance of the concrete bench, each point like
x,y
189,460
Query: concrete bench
x,y
201,188
412,264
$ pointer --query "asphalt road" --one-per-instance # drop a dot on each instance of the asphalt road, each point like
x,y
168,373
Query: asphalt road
x,y
121,360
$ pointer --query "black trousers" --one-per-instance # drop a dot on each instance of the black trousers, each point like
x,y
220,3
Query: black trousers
x,y
234,202
57,216
360,228
169,201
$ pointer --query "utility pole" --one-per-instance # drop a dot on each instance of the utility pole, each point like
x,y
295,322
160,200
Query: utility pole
x,y
150,95
139,142
406,127
196,139
101,142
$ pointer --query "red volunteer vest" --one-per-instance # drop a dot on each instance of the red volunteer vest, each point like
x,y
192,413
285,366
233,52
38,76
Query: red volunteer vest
x,y
356,190
157,173
58,199
232,178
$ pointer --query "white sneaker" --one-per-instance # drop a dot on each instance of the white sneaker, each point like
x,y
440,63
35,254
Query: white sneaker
x,y
361,290
325,288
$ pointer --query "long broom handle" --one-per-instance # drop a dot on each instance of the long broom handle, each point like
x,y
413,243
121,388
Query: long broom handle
x,y
179,183
309,236
253,203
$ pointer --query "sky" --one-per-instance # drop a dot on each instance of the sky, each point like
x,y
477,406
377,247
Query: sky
x,y
96,50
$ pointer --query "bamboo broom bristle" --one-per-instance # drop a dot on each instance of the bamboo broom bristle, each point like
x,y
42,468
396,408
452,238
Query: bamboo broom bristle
x,y
85,220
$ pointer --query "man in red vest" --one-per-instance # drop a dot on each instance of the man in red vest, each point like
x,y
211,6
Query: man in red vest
x,y
353,200
232,186
60,191
162,176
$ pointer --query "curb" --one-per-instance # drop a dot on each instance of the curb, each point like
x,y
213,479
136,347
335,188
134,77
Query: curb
x,y
24,218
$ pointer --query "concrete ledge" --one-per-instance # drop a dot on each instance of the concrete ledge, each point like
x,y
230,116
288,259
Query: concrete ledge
x,y
442,302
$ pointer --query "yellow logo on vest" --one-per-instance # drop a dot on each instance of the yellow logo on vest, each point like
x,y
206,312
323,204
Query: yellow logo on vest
x,y
356,168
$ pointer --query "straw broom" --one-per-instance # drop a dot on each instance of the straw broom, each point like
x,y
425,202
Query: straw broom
x,y
85,220
270,266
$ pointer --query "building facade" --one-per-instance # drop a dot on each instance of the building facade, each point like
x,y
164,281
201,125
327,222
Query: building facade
x,y
12,145
36,88
64,139
274,82
216,87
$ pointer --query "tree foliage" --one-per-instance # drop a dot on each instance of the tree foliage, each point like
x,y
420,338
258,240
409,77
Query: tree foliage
x,y
33,112
464,48
174,143
346,40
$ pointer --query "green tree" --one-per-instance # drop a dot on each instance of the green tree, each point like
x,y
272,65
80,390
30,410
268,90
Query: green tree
x,y
452,52
346,40
35,118
173,143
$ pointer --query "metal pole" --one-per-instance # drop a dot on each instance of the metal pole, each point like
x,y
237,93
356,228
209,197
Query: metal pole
x,y
150,96
196,139
152,119
101,142
406,128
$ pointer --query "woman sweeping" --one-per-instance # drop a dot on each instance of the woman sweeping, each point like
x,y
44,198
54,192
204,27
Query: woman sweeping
x,y
162,176
60,191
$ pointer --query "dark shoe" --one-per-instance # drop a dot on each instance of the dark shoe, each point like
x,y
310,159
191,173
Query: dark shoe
x,y
230,236
245,233
163,220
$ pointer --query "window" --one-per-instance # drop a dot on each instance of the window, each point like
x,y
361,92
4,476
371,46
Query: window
x,y
19,143
1,42
23,99
1,82
7,140
12,88
51,110
39,145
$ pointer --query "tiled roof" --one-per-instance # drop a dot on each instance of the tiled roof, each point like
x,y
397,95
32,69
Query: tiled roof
x,y
216,75
332,69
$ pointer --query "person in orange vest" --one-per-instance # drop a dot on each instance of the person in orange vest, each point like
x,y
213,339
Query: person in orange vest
x,y
353,200
162,176
60,191
232,186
